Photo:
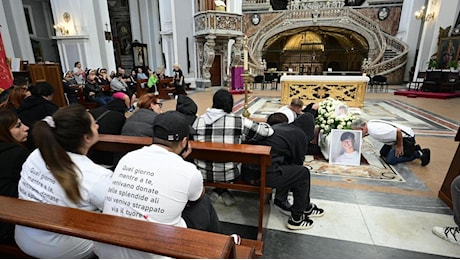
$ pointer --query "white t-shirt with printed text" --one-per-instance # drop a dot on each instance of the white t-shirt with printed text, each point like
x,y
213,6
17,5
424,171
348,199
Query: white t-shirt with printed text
x,y
150,184
38,184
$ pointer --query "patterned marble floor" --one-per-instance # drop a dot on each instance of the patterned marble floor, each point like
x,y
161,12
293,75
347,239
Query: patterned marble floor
x,y
364,218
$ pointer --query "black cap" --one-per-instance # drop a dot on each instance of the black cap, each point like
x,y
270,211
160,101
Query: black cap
x,y
170,126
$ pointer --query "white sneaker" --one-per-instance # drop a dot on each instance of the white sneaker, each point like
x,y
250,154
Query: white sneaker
x,y
228,198
213,196
451,234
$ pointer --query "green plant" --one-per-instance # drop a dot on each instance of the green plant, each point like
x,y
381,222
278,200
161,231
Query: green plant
x,y
433,63
452,64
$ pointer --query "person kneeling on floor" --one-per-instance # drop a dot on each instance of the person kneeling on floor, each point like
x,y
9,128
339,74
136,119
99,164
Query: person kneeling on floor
x,y
393,136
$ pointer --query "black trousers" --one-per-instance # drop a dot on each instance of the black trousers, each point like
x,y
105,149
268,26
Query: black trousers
x,y
201,215
285,178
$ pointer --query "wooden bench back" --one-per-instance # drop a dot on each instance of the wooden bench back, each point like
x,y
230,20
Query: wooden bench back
x,y
146,236
139,89
219,152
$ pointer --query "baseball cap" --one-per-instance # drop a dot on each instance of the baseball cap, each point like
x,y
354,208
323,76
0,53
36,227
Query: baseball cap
x,y
170,126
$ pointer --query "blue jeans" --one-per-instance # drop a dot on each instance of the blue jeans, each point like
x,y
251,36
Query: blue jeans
x,y
103,100
389,153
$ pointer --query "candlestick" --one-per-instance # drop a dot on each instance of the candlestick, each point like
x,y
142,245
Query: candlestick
x,y
245,59
245,52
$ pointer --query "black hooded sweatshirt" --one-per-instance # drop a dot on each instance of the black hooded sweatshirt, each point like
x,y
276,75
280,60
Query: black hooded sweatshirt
x,y
188,107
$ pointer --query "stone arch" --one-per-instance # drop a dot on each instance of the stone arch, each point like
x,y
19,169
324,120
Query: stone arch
x,y
260,42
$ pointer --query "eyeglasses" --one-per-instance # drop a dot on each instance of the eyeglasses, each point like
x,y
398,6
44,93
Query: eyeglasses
x,y
159,104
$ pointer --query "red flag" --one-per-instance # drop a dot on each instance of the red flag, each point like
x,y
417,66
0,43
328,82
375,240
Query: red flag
x,y
6,78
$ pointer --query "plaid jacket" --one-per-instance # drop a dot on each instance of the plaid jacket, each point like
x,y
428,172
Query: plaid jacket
x,y
226,128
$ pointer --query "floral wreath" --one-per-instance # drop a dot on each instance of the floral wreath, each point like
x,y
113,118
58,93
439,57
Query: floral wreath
x,y
328,117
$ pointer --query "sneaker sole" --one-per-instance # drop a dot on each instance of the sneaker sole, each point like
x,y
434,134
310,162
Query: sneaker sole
x,y
284,212
440,234
292,227
316,216
228,200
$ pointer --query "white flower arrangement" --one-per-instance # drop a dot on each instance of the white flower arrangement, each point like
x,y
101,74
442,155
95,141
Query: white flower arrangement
x,y
329,117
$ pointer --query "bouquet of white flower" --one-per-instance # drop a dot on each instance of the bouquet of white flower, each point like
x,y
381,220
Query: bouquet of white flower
x,y
333,114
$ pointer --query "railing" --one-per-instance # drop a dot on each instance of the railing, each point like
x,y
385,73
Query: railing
x,y
256,5
215,22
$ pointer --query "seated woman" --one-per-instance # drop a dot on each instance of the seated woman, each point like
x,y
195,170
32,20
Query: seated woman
x,y
12,155
94,92
141,74
141,122
15,97
59,173
103,77
121,91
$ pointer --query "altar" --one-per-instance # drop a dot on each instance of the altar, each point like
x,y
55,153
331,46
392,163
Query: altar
x,y
314,88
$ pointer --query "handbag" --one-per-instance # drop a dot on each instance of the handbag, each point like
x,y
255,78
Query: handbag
x,y
409,145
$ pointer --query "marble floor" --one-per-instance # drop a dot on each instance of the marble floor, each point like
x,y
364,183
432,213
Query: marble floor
x,y
363,219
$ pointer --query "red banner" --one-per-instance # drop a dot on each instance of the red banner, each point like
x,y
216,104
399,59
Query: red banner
x,y
6,78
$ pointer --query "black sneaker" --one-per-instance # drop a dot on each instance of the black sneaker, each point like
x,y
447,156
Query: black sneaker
x,y
425,158
303,223
314,211
283,207
418,148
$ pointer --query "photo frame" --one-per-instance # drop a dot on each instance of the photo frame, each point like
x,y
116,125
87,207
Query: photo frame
x,y
383,13
448,51
345,147
140,55
341,111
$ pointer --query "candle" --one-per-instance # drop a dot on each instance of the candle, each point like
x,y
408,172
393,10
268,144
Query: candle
x,y
245,52
245,59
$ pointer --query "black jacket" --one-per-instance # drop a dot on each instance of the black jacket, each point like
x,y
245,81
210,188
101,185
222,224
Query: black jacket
x,y
110,123
188,107
12,156
289,145
33,109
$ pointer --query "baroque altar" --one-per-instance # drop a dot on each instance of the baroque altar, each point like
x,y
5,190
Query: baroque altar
x,y
312,88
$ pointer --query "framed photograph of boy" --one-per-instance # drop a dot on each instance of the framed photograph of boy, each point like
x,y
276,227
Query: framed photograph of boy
x,y
345,147
341,111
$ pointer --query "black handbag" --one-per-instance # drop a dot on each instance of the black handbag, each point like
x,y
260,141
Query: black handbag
x,y
408,142
409,145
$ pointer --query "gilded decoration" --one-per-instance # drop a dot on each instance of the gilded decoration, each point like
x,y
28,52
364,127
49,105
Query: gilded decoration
x,y
351,93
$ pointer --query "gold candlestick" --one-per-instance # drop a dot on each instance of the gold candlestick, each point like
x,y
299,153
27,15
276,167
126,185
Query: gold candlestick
x,y
248,79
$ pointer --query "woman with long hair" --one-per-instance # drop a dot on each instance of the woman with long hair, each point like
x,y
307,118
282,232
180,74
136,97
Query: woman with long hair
x,y
15,98
12,155
60,173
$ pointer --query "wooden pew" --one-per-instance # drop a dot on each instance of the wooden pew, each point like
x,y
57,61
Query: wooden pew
x,y
220,152
454,170
139,89
165,87
160,239
156,238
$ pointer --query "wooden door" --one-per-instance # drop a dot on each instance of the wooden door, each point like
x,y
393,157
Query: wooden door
x,y
216,71
52,74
